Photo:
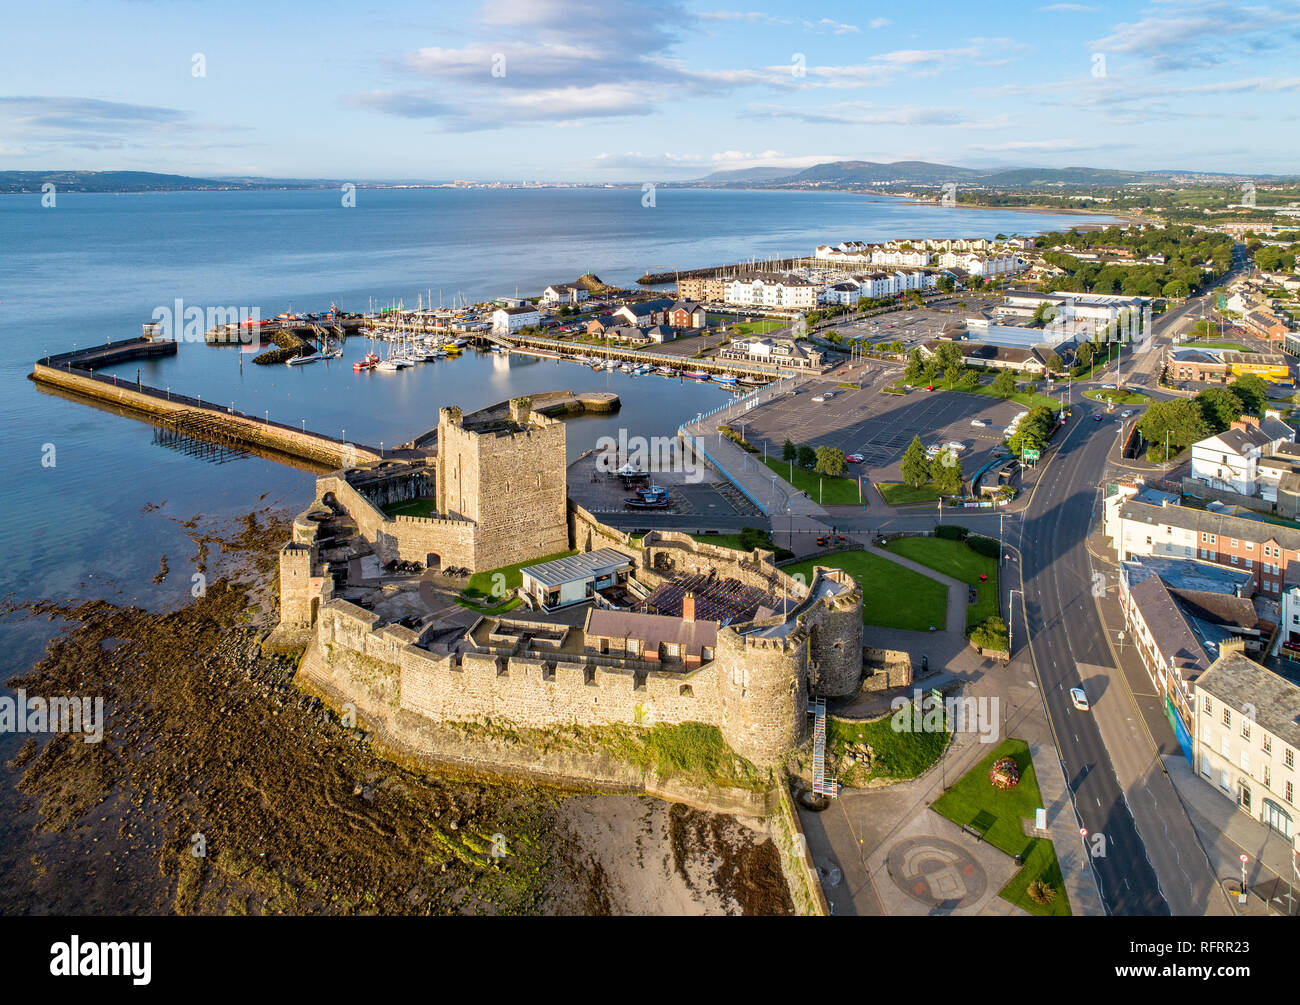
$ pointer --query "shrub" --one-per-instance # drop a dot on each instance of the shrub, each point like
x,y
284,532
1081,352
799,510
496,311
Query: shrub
x,y
991,633
951,532
981,545
1040,892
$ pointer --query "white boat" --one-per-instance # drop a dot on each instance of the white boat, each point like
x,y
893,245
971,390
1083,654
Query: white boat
x,y
387,364
297,360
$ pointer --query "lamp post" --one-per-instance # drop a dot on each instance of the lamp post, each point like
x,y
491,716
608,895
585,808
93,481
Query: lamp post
x,y
1241,899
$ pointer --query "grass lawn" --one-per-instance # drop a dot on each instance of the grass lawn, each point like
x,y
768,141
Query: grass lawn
x,y
411,507
1237,347
755,327
898,756
903,494
1020,397
1119,397
831,491
997,814
955,559
484,585
892,596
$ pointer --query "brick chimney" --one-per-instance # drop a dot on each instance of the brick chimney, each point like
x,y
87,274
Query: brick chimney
x,y
688,607
1245,422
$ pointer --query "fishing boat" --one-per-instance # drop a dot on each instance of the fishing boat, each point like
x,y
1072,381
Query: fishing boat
x,y
367,362
658,502
724,379
695,375
667,371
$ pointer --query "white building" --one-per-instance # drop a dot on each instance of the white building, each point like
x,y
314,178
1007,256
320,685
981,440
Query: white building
x,y
506,320
768,289
1248,739
563,293
1230,460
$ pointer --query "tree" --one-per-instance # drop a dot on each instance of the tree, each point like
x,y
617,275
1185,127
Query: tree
x,y
915,365
1054,363
1004,384
1034,430
1179,423
1253,392
947,355
916,469
1084,355
788,451
946,283
945,471
807,456
1220,407
830,461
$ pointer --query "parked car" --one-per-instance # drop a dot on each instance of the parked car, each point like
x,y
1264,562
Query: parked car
x,y
929,387
855,458
819,398
1098,417
977,422
1079,699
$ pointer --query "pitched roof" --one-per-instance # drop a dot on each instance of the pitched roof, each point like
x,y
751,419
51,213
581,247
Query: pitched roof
x,y
575,567
1203,521
1170,632
1238,681
652,630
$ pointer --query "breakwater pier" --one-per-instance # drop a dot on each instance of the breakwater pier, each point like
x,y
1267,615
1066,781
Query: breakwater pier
x,y
183,415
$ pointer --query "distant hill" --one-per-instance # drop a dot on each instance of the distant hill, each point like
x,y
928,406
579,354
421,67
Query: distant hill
x,y
747,174
110,181
927,173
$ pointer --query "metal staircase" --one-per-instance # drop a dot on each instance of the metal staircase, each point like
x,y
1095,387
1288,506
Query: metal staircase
x,y
821,786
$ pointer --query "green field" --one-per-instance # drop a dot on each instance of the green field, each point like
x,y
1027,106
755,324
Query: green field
x,y
1196,344
892,596
998,815
1020,397
831,491
898,756
411,507
955,559
903,494
484,587
761,327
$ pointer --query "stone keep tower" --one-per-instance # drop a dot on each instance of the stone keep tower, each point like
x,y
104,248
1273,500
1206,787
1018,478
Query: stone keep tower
x,y
506,475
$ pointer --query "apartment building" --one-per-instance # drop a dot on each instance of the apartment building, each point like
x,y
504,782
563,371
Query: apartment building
x,y
1248,739
769,289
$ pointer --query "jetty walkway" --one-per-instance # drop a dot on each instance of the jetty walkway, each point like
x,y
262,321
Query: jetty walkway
x,y
183,415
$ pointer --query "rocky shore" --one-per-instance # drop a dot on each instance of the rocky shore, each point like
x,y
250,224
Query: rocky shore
x,y
221,788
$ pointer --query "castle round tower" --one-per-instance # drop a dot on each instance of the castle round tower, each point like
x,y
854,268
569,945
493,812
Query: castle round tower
x,y
834,628
763,684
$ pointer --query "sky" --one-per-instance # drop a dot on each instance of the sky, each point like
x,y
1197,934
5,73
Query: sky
x,y
649,90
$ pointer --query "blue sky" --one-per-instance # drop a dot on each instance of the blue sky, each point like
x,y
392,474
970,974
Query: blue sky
x,y
607,90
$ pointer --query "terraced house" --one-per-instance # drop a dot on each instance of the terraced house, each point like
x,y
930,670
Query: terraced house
x,y
1264,550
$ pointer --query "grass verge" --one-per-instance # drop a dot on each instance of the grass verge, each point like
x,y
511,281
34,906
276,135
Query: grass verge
x,y
830,491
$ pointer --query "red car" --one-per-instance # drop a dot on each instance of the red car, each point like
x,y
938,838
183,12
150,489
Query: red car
x,y
854,458
930,387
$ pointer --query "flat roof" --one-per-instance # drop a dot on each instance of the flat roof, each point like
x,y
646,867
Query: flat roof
x,y
577,567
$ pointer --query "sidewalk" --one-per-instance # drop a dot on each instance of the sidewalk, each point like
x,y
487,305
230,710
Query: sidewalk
x,y
1131,710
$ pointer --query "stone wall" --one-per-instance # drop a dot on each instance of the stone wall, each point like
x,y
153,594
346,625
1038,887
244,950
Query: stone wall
x,y
754,690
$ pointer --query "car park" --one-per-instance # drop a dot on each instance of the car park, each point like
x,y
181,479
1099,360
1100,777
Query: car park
x,y
819,398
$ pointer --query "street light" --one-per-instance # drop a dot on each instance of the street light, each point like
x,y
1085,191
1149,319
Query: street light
x,y
1241,899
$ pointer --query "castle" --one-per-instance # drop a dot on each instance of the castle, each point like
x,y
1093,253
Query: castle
x,y
378,635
